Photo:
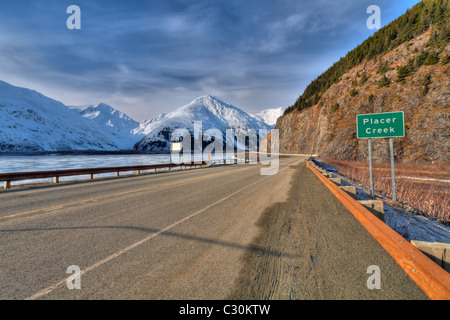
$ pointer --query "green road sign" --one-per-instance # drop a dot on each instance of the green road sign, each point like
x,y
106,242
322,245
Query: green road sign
x,y
380,125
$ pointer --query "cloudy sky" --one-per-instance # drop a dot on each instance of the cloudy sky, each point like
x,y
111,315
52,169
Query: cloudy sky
x,y
145,57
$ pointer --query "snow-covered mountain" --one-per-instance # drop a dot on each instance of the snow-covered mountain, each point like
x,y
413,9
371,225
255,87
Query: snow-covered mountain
x,y
122,129
32,122
269,116
212,112
145,126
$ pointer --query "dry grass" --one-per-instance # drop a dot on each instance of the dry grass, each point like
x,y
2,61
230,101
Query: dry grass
x,y
424,187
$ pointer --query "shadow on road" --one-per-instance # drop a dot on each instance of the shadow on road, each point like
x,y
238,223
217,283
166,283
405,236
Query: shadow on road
x,y
249,248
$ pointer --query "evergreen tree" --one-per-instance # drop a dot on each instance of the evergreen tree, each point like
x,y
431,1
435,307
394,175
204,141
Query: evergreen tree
x,y
415,21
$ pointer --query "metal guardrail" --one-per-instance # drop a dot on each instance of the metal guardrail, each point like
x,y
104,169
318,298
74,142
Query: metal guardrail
x,y
429,276
7,178
56,174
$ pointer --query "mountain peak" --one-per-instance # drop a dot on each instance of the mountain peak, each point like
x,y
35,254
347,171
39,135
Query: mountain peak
x,y
208,99
214,105
104,106
209,110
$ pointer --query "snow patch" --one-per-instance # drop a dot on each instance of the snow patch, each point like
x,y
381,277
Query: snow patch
x,y
269,116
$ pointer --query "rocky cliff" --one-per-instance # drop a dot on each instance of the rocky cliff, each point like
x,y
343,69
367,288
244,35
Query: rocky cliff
x,y
413,78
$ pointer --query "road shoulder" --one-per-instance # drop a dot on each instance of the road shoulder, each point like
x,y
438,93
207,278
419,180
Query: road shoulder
x,y
325,252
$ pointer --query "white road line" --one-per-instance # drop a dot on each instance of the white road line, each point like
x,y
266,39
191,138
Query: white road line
x,y
114,195
136,244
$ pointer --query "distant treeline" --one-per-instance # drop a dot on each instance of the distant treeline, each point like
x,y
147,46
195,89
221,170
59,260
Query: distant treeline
x,y
427,14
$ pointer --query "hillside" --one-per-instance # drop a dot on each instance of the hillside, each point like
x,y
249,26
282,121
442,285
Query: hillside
x,y
408,75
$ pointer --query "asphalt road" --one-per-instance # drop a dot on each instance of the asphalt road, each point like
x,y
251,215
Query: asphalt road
x,y
222,232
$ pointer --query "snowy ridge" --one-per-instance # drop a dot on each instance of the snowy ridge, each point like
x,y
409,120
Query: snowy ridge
x,y
269,116
115,124
32,122
212,112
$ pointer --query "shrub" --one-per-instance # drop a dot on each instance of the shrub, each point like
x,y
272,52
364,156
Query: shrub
x,y
420,59
403,72
363,79
445,60
353,92
384,82
433,39
431,59
383,67
425,83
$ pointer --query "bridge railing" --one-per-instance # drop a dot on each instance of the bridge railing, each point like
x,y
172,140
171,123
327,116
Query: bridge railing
x,y
7,178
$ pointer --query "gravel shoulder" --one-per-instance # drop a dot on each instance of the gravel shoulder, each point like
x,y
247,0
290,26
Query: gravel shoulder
x,y
324,252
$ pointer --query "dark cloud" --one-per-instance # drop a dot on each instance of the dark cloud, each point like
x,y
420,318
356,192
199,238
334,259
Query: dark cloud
x,y
147,57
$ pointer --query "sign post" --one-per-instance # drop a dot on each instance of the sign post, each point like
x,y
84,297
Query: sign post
x,y
371,167
381,125
391,147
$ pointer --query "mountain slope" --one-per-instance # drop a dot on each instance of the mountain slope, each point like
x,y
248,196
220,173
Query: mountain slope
x,y
269,116
117,125
379,85
209,110
402,67
420,18
32,122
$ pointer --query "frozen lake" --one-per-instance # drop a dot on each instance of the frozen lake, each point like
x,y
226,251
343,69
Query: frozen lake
x,y
61,162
